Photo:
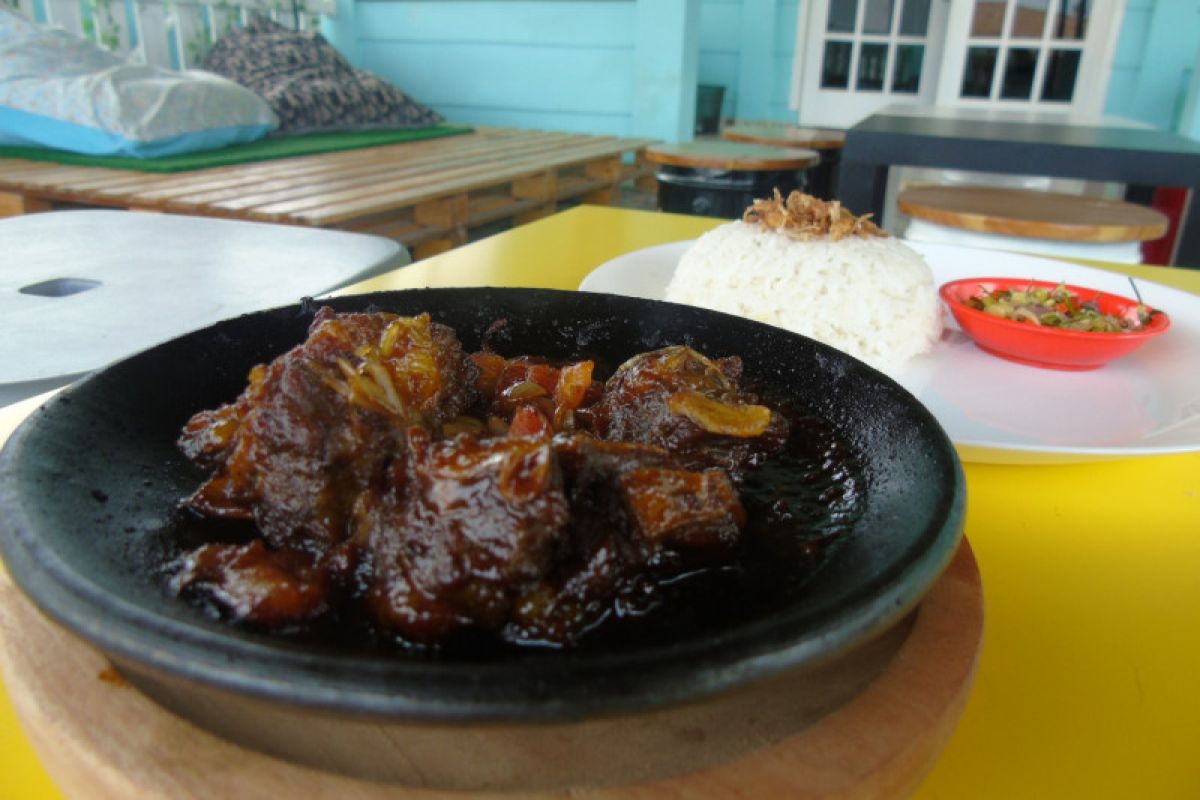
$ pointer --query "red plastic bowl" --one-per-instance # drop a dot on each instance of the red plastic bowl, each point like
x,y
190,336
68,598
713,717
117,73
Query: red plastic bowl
x,y
1051,348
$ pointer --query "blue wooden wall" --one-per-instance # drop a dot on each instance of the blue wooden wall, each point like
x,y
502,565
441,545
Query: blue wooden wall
x,y
622,67
631,67
1154,71
1189,123
746,47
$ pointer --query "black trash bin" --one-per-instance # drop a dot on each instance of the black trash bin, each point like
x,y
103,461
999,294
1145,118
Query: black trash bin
x,y
822,179
720,193
720,179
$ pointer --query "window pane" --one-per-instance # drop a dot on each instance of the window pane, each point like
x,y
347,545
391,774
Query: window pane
x,y
841,16
988,19
914,18
907,78
872,66
1029,19
1018,74
835,69
877,18
1061,71
1071,20
977,75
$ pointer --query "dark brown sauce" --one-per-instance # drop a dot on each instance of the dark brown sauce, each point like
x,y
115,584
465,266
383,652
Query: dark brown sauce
x,y
551,509
799,504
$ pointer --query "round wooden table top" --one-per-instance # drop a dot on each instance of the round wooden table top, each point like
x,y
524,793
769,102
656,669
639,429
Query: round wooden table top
x,y
718,154
784,134
1032,214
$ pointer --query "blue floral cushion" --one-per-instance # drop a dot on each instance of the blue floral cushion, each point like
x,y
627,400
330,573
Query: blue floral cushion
x,y
63,92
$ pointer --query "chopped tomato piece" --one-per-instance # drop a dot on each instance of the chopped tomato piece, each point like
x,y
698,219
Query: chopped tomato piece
x,y
529,421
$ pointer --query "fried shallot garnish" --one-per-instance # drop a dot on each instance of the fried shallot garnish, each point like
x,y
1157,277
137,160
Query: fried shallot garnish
x,y
805,217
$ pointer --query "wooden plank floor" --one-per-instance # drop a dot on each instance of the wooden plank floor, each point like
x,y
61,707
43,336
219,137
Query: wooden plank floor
x,y
429,195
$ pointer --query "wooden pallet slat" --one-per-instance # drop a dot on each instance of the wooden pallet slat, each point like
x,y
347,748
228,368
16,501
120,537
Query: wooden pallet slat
x,y
45,176
14,168
488,208
317,184
538,186
578,185
13,204
333,206
427,194
81,181
336,208
609,169
192,186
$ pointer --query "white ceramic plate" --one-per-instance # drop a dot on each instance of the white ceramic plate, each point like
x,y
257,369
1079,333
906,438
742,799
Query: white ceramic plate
x,y
1000,412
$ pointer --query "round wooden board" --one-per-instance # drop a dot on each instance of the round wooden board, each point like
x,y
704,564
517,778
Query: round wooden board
x,y
1032,214
720,154
100,738
782,134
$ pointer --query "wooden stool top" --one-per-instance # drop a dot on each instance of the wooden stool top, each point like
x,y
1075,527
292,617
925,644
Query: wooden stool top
x,y
717,154
1033,214
784,134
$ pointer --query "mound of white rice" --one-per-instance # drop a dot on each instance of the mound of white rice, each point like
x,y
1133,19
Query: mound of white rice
x,y
872,297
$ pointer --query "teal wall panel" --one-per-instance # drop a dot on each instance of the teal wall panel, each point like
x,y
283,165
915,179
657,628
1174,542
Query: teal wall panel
x,y
1123,83
720,48
747,46
1154,67
1189,118
543,120
787,16
342,29
781,89
578,23
1131,40
719,68
755,77
572,80
621,67
557,65
666,47
720,24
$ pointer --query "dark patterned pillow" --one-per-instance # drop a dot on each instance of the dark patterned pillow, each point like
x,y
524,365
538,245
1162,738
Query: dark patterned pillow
x,y
308,83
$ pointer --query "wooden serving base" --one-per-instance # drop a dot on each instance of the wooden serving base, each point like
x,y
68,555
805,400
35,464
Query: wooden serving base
x,y
100,738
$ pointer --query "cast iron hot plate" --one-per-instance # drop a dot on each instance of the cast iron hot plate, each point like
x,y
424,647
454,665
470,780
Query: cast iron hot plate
x,y
89,487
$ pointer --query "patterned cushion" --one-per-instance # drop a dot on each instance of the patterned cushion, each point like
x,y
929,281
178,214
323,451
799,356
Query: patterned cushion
x,y
309,84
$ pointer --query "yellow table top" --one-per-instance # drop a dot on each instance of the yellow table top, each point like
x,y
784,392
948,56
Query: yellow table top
x,y
1087,684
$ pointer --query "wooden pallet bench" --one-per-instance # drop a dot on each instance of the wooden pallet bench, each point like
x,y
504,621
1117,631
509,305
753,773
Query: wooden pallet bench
x,y
429,195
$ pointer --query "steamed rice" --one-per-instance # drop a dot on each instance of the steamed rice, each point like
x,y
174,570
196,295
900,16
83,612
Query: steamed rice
x,y
872,297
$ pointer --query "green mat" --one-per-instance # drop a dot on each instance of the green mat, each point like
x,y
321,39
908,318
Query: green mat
x,y
262,150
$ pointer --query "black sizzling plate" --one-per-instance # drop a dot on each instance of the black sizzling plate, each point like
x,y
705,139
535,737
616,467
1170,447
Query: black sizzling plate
x,y
90,483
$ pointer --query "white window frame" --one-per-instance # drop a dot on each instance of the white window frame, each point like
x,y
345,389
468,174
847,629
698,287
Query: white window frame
x,y
1095,63
807,61
941,84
